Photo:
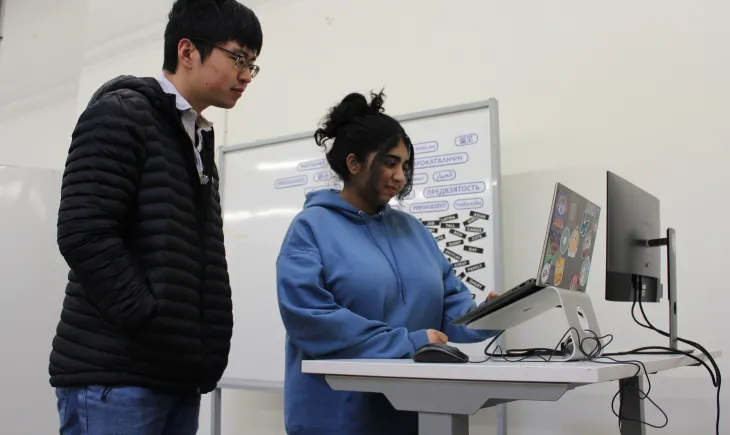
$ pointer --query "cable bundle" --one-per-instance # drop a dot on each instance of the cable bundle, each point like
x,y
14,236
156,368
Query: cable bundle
x,y
596,354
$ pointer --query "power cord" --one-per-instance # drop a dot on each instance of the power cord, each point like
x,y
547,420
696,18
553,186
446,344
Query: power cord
x,y
716,376
491,342
546,354
594,355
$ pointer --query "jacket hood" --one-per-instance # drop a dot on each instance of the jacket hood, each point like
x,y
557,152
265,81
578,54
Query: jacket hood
x,y
147,86
331,199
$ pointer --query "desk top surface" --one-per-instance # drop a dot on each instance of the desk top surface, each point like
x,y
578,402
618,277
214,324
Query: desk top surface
x,y
503,371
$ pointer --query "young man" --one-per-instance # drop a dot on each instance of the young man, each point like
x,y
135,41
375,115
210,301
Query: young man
x,y
147,319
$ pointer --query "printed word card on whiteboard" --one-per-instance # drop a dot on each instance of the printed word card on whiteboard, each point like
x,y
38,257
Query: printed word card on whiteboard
x,y
263,186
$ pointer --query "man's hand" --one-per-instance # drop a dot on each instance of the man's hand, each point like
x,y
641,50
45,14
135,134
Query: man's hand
x,y
491,296
435,336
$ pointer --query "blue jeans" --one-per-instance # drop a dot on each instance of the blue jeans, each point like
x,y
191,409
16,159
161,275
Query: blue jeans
x,y
98,410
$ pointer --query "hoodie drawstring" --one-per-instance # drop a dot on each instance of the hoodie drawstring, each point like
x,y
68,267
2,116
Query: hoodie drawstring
x,y
393,263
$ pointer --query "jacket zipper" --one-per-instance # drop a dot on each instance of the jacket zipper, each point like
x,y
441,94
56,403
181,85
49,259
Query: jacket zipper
x,y
204,201
199,192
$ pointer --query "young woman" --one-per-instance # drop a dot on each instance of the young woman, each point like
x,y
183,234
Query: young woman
x,y
358,279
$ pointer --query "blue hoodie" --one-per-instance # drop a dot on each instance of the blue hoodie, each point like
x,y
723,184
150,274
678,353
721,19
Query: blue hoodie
x,y
357,286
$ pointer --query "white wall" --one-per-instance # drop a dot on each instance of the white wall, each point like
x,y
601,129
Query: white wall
x,y
40,62
39,68
580,84
30,298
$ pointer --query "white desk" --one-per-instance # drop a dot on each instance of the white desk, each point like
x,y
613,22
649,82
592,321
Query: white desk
x,y
445,395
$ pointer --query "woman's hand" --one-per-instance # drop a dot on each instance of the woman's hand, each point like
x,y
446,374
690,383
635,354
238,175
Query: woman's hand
x,y
436,337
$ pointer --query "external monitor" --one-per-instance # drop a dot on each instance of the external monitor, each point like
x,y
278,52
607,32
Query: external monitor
x,y
633,260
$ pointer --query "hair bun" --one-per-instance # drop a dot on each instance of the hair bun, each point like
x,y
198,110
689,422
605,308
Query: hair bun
x,y
353,106
196,5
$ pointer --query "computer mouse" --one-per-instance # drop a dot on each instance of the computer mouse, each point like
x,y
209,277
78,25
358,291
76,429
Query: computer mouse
x,y
439,353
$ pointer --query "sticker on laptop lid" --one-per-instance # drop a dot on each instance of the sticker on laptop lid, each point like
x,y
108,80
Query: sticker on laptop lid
x,y
574,282
592,209
450,225
545,274
462,275
573,243
474,230
559,271
585,269
562,203
454,243
587,245
573,213
561,208
441,237
564,240
587,222
553,247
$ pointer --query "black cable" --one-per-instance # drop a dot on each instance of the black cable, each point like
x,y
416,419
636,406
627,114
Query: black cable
x,y
591,355
716,379
636,391
547,355
491,342
523,353
661,350
596,354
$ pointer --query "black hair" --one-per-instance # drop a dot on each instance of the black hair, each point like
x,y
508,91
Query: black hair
x,y
358,127
214,21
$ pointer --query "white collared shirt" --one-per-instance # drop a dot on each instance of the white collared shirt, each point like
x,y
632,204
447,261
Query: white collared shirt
x,y
193,123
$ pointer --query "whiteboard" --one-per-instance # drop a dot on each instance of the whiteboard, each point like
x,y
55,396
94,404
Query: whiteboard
x,y
263,186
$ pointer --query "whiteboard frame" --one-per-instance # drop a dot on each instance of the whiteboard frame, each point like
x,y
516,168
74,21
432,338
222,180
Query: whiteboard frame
x,y
495,182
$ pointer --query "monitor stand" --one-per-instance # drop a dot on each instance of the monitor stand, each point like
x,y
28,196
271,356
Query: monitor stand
x,y
578,311
671,243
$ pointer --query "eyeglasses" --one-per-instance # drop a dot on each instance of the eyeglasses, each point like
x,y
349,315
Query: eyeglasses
x,y
239,61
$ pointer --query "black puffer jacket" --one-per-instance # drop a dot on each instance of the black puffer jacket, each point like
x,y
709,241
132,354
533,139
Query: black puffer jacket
x,y
148,300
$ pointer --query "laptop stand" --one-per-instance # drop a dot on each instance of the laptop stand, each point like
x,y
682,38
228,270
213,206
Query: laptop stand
x,y
578,311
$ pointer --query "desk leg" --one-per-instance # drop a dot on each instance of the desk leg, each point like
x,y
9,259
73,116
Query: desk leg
x,y
632,406
215,412
502,419
442,424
